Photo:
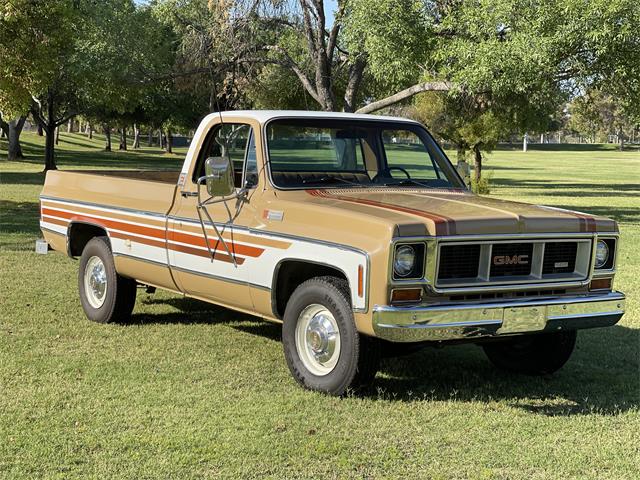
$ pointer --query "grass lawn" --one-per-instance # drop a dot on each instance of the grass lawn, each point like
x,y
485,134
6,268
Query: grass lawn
x,y
190,390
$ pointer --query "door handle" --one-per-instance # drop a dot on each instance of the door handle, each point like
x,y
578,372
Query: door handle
x,y
189,194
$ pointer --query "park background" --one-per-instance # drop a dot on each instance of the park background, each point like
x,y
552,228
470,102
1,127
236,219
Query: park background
x,y
192,390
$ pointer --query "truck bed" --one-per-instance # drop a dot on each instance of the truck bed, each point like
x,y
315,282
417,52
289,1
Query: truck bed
x,y
148,191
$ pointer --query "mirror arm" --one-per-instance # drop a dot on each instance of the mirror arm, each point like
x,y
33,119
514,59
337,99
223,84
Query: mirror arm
x,y
202,206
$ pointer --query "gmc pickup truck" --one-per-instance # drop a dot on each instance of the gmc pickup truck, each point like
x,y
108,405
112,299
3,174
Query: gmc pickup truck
x,y
355,232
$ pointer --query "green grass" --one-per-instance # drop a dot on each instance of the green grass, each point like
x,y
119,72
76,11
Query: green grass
x,y
190,390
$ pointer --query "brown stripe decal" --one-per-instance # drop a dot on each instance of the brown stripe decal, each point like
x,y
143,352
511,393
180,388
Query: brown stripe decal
x,y
237,249
443,225
129,233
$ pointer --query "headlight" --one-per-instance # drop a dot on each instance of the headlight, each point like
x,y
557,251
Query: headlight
x,y
404,260
602,253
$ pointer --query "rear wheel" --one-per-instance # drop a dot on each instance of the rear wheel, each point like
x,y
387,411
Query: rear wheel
x,y
105,295
533,354
323,349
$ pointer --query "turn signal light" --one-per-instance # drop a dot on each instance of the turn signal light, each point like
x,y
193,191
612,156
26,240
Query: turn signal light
x,y
406,295
600,284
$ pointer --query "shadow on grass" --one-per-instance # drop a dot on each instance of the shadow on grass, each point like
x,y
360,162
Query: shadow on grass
x,y
566,147
19,217
619,214
147,159
601,377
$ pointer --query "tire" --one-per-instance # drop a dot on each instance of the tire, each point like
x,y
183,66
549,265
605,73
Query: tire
x,y
538,354
343,359
105,295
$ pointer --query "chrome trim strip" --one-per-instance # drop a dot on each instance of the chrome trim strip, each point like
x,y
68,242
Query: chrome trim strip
x,y
444,325
216,277
104,207
52,231
140,259
585,315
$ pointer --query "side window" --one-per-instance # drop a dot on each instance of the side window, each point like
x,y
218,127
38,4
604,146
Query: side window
x,y
236,139
405,152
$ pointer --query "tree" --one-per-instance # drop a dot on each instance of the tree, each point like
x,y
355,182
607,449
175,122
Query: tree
x,y
66,57
599,114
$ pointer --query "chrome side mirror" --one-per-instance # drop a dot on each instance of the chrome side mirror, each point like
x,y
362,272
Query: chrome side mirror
x,y
219,176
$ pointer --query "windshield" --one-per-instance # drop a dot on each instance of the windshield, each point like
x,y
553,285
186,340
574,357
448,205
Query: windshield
x,y
306,153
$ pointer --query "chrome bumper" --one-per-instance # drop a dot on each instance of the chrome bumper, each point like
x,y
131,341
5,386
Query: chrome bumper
x,y
475,320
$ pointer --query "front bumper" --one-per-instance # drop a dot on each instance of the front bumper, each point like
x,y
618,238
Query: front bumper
x,y
475,320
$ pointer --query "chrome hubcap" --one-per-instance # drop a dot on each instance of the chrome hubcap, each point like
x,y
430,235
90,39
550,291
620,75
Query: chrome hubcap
x,y
318,339
95,282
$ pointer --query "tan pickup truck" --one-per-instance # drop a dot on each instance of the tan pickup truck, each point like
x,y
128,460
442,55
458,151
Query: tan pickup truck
x,y
353,231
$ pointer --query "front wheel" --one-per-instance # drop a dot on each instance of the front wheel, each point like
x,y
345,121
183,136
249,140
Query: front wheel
x,y
105,295
533,354
323,349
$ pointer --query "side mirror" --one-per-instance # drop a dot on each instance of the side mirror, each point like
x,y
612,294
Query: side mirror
x,y
219,176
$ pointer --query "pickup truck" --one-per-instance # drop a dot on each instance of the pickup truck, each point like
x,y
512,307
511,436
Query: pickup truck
x,y
355,232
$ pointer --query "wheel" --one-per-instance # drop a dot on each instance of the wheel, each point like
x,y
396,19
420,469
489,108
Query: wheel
x,y
323,349
105,295
533,354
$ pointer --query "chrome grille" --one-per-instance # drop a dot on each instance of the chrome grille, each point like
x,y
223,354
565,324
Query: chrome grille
x,y
527,261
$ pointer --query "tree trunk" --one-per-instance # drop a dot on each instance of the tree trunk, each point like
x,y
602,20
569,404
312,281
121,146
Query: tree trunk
x,y
15,129
123,139
136,136
49,149
477,164
621,139
406,93
525,142
57,135
150,139
107,138
4,128
160,142
40,131
169,142
90,131
70,126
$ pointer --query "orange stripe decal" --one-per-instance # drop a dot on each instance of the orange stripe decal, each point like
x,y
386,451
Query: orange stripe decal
x,y
443,225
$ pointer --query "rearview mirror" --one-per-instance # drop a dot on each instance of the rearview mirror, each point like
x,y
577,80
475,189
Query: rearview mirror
x,y
219,176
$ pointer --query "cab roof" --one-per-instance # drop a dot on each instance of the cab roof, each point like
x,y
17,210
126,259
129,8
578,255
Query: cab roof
x,y
263,116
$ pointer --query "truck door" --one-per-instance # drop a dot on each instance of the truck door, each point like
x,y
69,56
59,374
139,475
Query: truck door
x,y
222,273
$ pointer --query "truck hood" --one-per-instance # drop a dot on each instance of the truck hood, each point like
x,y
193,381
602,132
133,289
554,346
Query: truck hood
x,y
458,212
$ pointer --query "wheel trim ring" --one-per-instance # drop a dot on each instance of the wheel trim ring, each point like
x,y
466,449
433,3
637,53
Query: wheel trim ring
x,y
95,282
317,339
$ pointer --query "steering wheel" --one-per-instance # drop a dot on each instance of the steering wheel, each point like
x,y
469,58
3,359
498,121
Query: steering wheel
x,y
401,169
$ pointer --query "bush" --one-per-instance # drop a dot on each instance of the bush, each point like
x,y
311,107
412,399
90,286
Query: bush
x,y
483,186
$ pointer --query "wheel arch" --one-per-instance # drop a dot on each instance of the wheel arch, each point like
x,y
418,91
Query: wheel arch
x,y
289,273
79,233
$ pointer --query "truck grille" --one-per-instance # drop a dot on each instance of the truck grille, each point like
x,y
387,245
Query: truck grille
x,y
507,252
459,261
522,262
559,257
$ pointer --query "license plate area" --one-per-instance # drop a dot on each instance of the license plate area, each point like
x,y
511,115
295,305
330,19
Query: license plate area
x,y
523,319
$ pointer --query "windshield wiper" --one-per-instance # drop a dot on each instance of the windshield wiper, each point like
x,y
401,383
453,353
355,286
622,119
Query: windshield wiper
x,y
405,182
330,179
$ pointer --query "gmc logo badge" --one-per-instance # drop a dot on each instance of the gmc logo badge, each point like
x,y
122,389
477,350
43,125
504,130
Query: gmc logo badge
x,y
511,260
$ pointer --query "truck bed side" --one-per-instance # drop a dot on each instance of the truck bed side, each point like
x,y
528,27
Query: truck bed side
x,y
129,207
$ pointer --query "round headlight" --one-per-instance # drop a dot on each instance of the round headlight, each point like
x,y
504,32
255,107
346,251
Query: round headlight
x,y
602,254
405,260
